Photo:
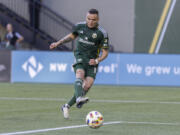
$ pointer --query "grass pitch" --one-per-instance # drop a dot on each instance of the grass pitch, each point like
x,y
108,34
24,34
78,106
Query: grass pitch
x,y
137,110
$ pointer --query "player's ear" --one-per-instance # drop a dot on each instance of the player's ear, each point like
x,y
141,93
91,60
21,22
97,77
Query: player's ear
x,y
97,17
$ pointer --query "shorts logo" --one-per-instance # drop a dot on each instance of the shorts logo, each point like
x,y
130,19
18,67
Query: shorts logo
x,y
94,35
79,60
32,66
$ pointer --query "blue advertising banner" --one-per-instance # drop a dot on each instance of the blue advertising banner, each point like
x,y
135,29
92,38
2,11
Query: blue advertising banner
x,y
42,67
144,69
117,69
56,67
108,70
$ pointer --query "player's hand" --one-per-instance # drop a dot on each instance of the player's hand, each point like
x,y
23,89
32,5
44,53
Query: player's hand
x,y
92,62
53,45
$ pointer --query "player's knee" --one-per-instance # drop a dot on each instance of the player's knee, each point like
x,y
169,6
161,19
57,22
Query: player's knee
x,y
80,74
87,87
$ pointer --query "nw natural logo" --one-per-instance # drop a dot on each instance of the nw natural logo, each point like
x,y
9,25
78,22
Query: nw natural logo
x,y
32,66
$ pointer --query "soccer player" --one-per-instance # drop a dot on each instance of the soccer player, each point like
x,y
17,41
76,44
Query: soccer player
x,y
91,39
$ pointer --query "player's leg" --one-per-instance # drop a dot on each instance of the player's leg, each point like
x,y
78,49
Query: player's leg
x,y
65,108
89,80
72,101
87,84
80,73
77,97
77,86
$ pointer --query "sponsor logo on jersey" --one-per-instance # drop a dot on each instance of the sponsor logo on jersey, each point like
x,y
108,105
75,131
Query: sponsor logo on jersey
x,y
86,42
94,35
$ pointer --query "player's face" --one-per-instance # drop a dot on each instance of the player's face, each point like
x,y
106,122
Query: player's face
x,y
92,20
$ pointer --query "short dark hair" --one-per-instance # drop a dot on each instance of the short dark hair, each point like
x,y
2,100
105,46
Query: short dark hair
x,y
93,11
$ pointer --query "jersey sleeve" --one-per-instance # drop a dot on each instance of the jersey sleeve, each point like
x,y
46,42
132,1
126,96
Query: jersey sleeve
x,y
75,30
105,41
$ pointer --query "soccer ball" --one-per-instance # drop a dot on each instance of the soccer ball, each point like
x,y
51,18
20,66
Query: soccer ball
x,y
94,119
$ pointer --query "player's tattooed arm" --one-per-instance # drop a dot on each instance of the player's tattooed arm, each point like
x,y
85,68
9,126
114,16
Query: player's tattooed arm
x,y
66,39
99,59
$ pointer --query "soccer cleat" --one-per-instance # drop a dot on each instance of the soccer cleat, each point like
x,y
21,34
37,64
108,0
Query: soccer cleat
x,y
65,110
80,101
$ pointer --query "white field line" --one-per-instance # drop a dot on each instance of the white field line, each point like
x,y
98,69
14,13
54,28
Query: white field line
x,y
80,126
91,100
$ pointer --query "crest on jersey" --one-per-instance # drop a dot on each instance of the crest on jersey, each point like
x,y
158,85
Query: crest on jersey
x,y
105,41
79,60
94,35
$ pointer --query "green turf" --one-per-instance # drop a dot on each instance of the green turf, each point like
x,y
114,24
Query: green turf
x,y
29,113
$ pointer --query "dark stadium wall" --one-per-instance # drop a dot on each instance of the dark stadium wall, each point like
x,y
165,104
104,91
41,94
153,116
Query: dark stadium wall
x,y
171,42
116,16
148,13
147,16
5,66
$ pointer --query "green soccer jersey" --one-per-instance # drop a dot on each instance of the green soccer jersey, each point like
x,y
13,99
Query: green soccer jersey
x,y
90,40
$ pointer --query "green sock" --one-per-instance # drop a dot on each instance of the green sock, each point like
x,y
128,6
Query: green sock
x,y
78,92
78,88
72,101
84,93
